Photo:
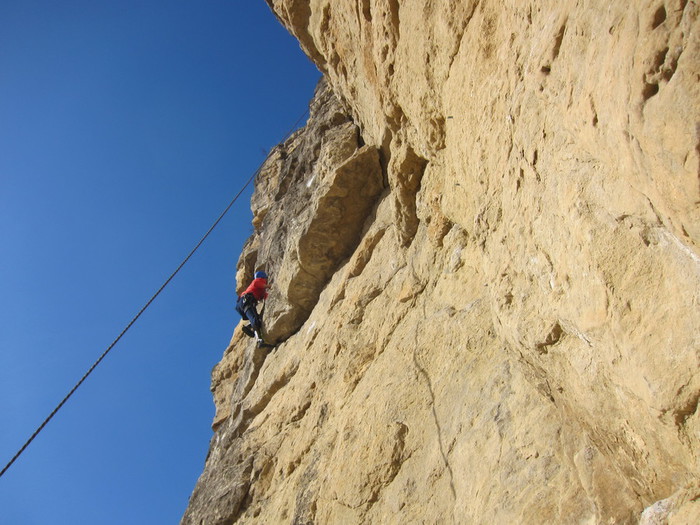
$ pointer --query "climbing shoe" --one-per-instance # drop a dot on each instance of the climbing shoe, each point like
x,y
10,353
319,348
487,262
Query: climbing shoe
x,y
247,330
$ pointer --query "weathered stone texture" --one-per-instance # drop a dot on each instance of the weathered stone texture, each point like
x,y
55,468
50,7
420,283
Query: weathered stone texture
x,y
311,200
485,250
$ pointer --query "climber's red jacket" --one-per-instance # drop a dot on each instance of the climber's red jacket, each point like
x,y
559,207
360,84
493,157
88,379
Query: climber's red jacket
x,y
258,288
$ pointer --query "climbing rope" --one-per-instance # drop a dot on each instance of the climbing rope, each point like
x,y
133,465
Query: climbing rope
x,y
172,275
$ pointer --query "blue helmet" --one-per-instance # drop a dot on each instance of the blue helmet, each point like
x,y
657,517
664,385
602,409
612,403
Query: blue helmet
x,y
260,275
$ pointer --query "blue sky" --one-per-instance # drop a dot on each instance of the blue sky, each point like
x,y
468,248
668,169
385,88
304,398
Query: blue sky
x,y
125,129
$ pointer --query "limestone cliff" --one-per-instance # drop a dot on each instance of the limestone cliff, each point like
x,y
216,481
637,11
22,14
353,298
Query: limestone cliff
x,y
485,259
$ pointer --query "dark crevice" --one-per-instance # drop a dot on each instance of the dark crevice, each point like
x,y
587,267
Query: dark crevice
x,y
360,140
366,11
649,90
407,174
659,17
660,58
552,338
682,415
558,40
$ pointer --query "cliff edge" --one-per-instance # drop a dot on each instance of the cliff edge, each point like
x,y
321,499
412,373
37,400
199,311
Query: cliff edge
x,y
485,258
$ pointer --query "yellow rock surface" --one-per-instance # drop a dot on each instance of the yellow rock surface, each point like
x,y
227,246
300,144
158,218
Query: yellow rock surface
x,y
485,261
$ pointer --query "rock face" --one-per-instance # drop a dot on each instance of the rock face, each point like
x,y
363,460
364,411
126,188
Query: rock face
x,y
311,200
485,253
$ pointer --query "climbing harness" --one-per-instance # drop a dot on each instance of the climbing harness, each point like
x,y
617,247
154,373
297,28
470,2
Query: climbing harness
x,y
177,270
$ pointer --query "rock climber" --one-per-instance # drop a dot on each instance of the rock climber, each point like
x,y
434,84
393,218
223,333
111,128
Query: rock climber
x,y
247,303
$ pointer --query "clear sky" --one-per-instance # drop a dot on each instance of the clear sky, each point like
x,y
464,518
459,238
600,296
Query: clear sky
x,y
125,129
